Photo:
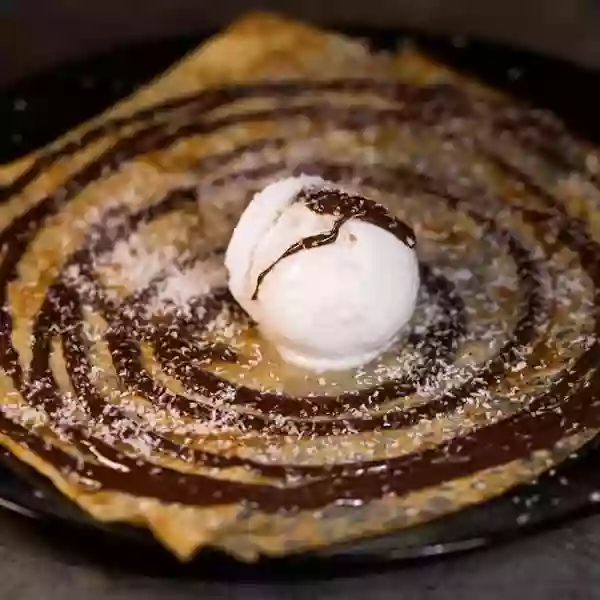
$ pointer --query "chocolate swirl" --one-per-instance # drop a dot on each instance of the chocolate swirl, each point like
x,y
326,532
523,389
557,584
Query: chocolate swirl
x,y
523,219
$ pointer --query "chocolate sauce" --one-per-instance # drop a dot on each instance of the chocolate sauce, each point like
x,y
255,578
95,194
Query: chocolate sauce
x,y
344,207
568,406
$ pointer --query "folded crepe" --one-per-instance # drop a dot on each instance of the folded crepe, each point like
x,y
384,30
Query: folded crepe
x,y
132,381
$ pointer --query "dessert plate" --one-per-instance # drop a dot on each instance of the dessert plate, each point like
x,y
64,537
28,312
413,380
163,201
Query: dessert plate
x,y
40,109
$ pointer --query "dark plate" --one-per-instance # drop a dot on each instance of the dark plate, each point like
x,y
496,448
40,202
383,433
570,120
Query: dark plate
x,y
37,110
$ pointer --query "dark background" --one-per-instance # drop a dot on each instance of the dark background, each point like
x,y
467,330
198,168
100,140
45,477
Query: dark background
x,y
37,33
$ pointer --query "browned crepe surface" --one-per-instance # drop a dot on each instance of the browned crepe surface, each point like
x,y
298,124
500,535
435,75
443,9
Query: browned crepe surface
x,y
110,246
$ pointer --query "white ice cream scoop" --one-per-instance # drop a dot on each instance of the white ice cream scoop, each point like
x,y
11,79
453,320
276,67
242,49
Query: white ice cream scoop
x,y
330,278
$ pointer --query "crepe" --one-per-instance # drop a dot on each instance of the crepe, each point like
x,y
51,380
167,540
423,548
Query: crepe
x,y
135,384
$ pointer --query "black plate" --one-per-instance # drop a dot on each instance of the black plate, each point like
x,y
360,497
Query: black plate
x,y
37,110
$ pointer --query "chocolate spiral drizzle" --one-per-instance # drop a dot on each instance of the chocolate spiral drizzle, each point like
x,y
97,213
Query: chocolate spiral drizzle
x,y
344,207
566,406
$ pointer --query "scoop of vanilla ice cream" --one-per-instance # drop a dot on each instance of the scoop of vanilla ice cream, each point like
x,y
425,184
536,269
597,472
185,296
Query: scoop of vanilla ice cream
x,y
335,306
